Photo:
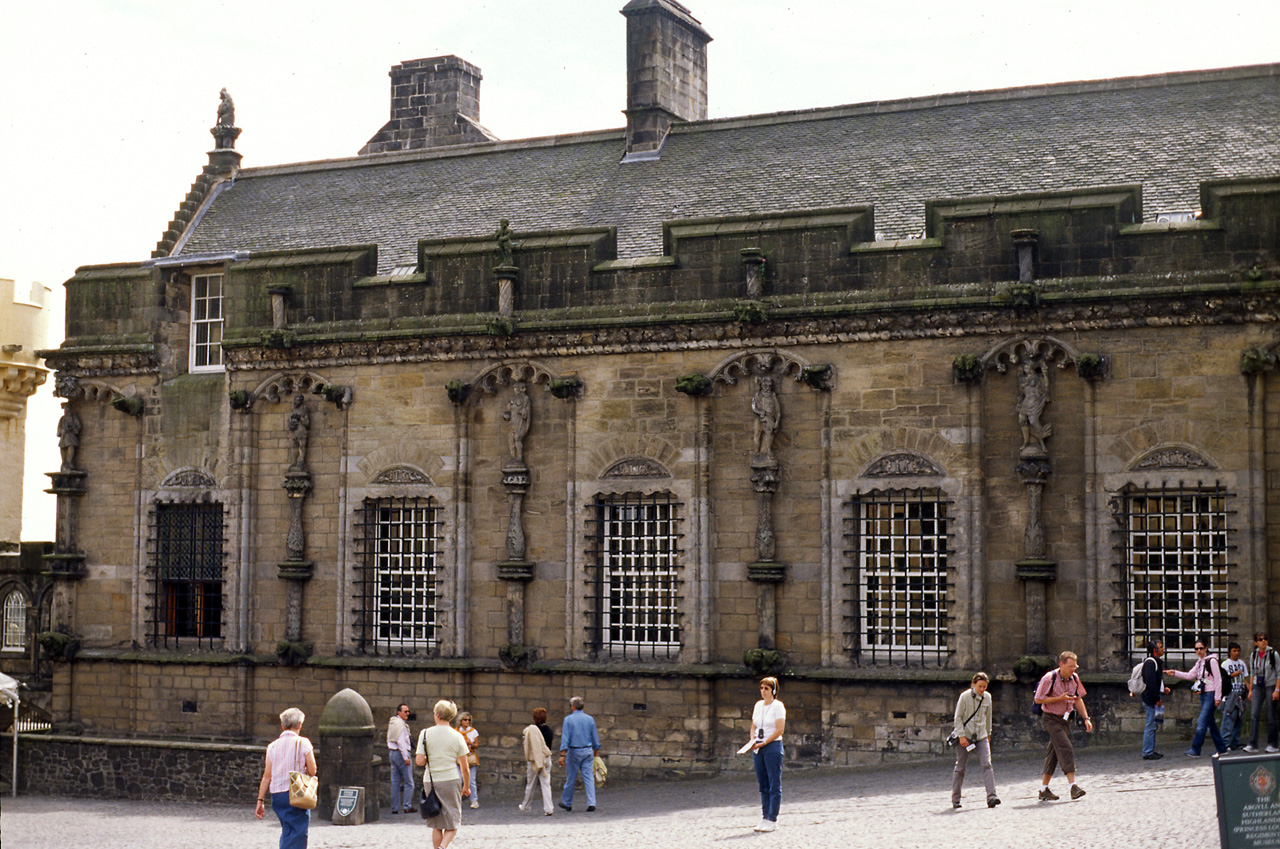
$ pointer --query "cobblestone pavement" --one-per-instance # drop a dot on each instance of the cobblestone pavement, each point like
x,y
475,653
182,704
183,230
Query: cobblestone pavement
x,y
1130,802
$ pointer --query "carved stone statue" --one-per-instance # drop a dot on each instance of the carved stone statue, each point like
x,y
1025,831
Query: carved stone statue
x,y
299,432
518,412
505,256
1033,395
68,437
226,110
768,412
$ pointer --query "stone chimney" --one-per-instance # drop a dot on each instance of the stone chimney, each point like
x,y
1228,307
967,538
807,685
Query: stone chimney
x,y
666,71
434,102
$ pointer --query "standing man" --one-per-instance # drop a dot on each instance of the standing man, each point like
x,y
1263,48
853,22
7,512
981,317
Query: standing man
x,y
1059,692
1235,673
398,743
579,745
1152,696
1266,690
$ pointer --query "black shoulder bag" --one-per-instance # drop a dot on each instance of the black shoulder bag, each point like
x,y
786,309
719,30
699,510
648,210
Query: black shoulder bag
x,y
429,805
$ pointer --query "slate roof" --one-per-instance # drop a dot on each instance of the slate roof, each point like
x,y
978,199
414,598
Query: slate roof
x,y
1166,133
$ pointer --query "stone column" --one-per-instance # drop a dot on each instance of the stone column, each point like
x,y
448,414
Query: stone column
x,y
296,569
1034,569
766,572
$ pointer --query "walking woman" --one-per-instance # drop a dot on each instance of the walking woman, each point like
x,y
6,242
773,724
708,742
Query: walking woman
x,y
288,752
972,728
443,752
768,721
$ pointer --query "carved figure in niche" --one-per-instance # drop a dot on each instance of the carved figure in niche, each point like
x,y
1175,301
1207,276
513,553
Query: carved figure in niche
x,y
505,256
68,437
226,110
768,412
299,432
518,411
1033,395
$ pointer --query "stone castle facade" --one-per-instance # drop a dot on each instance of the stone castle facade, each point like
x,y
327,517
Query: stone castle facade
x,y
510,439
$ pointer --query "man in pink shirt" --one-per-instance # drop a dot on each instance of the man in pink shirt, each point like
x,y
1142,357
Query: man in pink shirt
x,y
1059,692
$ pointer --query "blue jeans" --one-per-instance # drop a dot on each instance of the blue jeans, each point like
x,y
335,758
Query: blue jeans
x,y
1232,719
768,764
575,761
1206,722
401,782
294,822
1149,731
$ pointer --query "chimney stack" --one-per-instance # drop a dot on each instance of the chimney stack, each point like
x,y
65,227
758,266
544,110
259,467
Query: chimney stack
x,y
434,102
666,71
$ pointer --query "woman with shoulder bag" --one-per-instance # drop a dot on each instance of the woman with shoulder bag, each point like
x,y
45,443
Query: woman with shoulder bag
x,y
443,752
1208,683
971,732
288,752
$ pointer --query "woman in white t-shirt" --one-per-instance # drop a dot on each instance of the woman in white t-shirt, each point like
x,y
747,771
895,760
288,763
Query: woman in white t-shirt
x,y
768,721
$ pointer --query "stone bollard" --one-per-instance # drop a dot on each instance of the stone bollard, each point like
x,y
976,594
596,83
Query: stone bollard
x,y
346,752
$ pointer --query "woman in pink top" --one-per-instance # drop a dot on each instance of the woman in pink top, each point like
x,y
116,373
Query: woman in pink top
x,y
290,752
1208,678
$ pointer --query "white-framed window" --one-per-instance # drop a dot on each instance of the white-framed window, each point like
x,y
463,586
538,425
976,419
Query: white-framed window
x,y
15,622
1175,557
636,575
899,548
399,584
206,322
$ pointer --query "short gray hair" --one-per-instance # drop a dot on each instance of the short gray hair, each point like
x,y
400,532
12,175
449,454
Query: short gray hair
x,y
291,719
577,703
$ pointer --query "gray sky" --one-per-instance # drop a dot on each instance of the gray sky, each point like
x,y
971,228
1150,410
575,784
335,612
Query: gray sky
x,y
106,105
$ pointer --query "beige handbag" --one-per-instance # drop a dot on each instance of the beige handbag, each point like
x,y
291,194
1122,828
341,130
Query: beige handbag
x,y
303,788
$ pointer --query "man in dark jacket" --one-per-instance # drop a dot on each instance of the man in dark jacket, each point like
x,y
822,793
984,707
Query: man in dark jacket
x,y
1152,696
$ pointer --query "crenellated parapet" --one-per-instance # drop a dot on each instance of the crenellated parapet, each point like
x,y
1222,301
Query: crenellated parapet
x,y
1058,260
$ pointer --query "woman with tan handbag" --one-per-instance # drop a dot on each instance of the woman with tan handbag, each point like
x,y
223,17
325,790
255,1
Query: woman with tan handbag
x,y
290,752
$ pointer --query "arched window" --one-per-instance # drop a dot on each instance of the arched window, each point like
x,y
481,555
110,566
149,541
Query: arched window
x,y
15,622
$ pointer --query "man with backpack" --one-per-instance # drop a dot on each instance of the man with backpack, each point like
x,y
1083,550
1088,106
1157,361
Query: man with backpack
x,y
1059,693
1265,690
1207,675
1152,692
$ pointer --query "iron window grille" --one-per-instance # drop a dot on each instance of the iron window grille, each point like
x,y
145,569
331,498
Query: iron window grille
x,y
206,322
15,622
634,576
398,585
899,583
1175,555
187,551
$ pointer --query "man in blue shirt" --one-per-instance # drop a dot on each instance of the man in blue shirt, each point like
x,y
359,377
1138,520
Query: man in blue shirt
x,y
579,745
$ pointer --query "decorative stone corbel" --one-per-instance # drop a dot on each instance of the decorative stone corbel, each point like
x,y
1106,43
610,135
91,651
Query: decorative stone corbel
x,y
129,404
818,376
340,396
1092,367
1256,361
694,385
458,391
241,400
565,388
967,369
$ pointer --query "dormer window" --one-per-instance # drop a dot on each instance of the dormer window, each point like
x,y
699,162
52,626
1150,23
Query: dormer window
x,y
206,323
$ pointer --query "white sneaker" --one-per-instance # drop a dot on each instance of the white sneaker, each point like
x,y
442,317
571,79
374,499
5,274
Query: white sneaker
x,y
522,808
767,825
760,827
475,804
1251,749
1273,749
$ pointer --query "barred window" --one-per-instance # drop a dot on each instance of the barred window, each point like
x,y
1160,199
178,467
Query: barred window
x,y
636,575
187,583
15,621
899,555
206,322
400,543
1175,559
